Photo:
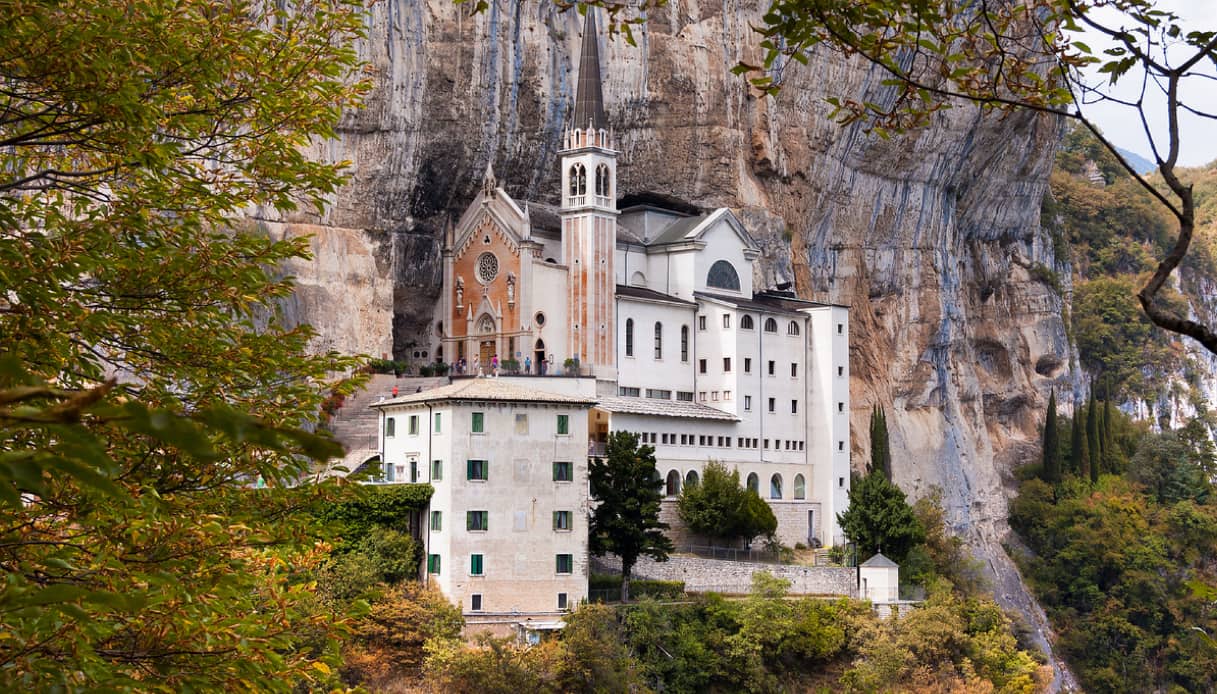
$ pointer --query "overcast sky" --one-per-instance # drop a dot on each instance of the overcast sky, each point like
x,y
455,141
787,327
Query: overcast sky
x,y
1121,124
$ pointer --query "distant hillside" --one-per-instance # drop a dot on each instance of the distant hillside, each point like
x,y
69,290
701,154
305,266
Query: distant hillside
x,y
1139,163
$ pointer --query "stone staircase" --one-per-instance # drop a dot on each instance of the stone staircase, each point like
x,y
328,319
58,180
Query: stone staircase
x,y
355,423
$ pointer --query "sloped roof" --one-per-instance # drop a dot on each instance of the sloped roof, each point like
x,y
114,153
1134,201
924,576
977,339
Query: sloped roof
x,y
650,295
484,389
663,408
880,562
680,230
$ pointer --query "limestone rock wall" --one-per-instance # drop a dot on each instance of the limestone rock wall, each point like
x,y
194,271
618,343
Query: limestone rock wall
x,y
933,239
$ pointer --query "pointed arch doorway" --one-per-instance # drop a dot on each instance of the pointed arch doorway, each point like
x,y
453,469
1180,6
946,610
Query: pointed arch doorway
x,y
538,356
487,342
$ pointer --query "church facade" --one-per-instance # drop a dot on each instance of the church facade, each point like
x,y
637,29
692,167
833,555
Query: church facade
x,y
647,307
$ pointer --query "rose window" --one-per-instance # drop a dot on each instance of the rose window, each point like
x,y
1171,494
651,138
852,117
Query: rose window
x,y
488,267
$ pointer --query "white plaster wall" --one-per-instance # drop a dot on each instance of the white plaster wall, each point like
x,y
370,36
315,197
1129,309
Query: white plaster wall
x,y
722,243
643,370
828,399
550,298
879,584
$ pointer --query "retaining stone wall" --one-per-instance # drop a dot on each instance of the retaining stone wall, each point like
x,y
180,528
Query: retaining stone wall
x,y
721,576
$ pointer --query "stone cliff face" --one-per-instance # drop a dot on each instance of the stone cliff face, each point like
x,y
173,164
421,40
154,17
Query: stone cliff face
x,y
933,239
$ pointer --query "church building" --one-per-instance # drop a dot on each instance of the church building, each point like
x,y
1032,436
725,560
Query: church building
x,y
638,313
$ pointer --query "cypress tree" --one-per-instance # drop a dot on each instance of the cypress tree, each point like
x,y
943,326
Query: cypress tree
x,y
1078,450
1052,455
1092,437
1109,449
880,450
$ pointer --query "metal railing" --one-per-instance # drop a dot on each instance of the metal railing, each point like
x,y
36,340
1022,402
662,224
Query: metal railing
x,y
761,556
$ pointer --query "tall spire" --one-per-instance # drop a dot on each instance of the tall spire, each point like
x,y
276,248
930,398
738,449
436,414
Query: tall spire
x,y
589,101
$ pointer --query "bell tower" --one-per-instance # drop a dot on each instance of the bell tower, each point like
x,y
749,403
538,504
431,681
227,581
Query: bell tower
x,y
589,216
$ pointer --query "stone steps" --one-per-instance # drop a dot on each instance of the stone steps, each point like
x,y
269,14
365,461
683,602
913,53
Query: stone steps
x,y
357,426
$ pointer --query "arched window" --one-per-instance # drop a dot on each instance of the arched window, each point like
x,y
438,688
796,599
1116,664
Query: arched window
x,y
771,326
578,180
792,329
754,482
745,323
691,478
659,340
723,276
602,180
673,488
800,487
775,487
684,343
638,280
629,337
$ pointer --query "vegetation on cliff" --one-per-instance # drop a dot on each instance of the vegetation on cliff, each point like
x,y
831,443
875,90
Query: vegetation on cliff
x,y
1124,566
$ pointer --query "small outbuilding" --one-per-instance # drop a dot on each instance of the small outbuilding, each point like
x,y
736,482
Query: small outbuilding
x,y
879,579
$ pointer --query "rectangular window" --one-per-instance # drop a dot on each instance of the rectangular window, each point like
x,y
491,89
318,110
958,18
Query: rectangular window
x,y
628,392
521,424
475,602
840,328
477,520
841,482
437,470
413,425
479,423
772,364
684,395
773,404
439,416
794,370
766,444
432,563
561,601
684,343
739,442
701,395
840,370
564,472
563,425
701,322
565,563
794,407
701,366
437,520
726,320
413,471
714,395
747,403
747,365
656,394
563,519
840,407
475,565
658,341
800,445
390,427
476,470
726,395
726,365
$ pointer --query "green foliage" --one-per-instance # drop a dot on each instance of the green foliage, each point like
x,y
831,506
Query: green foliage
x,y
660,590
719,506
879,519
880,449
1051,444
1093,442
372,506
1079,450
136,556
1122,569
625,520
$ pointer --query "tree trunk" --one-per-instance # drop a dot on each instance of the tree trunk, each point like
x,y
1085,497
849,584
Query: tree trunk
x,y
625,580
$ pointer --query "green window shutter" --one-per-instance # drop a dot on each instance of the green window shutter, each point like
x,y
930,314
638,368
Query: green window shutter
x,y
468,469
475,564
556,519
469,520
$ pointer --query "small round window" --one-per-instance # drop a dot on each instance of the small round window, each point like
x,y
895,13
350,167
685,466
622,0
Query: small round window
x,y
540,318
488,267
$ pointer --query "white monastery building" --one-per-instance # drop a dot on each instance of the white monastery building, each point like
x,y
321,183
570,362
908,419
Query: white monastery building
x,y
634,314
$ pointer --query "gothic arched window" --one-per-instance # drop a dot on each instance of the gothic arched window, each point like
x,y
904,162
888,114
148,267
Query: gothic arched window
x,y
659,340
602,180
691,478
629,337
800,487
578,180
771,326
775,487
754,482
723,276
